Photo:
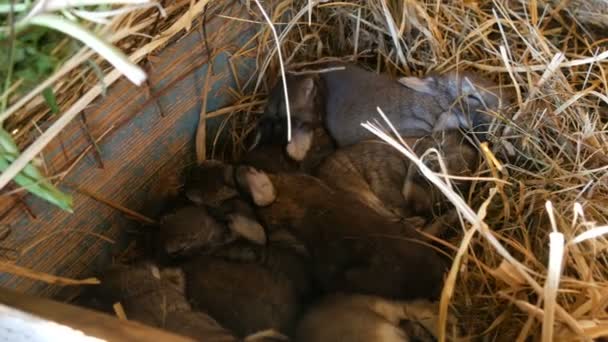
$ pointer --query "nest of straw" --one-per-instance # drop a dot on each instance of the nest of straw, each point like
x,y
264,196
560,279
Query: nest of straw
x,y
531,261
513,276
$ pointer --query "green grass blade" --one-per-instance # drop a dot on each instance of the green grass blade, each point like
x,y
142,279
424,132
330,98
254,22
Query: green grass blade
x,y
51,100
108,51
30,178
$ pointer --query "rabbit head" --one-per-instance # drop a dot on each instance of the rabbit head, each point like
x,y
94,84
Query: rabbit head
x,y
466,97
305,104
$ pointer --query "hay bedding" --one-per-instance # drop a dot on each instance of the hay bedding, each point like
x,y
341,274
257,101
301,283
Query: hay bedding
x,y
550,147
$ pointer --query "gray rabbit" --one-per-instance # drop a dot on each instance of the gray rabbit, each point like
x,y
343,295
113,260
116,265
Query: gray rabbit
x,y
415,106
344,99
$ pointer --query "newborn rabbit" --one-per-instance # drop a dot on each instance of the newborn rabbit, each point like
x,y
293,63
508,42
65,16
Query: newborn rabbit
x,y
352,247
329,109
221,215
353,318
387,181
283,256
156,297
371,170
460,158
249,288
270,158
415,106
210,184
310,142
192,229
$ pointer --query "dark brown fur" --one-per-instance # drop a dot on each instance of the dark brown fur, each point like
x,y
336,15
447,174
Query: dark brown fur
x,y
283,256
243,296
353,248
192,229
157,297
210,184
310,142
270,158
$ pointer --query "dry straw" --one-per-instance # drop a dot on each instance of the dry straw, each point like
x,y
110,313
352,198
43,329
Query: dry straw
x,y
523,269
519,271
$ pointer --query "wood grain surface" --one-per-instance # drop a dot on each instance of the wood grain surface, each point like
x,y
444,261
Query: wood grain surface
x,y
28,318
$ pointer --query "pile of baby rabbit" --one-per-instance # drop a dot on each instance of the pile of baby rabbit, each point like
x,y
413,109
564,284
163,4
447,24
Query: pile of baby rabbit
x,y
324,237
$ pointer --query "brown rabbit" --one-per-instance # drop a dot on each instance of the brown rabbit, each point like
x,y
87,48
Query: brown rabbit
x,y
284,255
373,171
156,297
354,318
271,158
387,181
220,217
243,292
211,184
460,159
192,229
353,248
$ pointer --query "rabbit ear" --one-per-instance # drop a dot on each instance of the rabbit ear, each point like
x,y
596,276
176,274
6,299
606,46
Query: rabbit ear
x,y
422,85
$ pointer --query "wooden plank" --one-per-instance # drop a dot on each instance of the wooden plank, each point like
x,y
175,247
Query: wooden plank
x,y
25,318
141,143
